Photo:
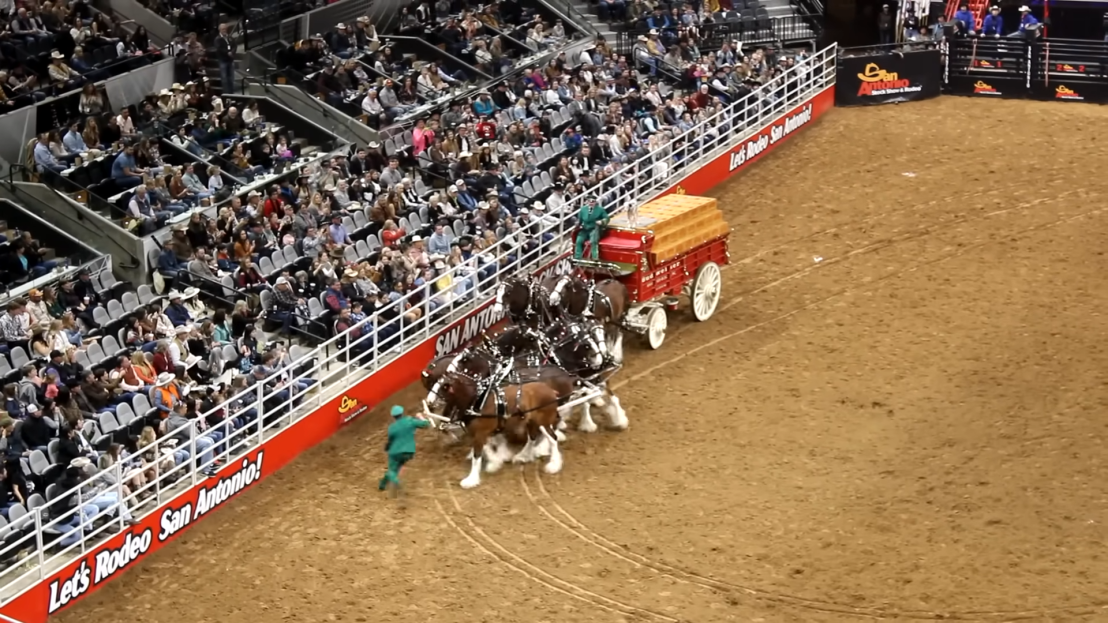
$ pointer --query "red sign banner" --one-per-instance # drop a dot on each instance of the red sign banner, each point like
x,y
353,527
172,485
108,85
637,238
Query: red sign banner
x,y
125,550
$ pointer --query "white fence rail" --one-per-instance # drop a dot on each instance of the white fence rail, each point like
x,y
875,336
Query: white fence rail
x,y
52,537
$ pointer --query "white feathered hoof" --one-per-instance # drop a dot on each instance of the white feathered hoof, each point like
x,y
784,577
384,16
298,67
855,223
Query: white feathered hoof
x,y
560,436
562,424
587,425
554,465
617,415
470,482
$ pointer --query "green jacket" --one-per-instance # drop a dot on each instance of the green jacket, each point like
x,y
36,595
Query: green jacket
x,y
402,434
592,217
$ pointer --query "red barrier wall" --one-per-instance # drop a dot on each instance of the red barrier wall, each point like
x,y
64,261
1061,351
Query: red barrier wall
x,y
66,587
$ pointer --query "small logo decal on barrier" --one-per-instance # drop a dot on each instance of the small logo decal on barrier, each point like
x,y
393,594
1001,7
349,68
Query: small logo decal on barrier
x,y
877,81
349,408
347,404
1070,69
1063,92
984,89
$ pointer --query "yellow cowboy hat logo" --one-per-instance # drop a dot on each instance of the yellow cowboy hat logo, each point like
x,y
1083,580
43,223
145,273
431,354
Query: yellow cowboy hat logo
x,y
1064,90
874,73
346,404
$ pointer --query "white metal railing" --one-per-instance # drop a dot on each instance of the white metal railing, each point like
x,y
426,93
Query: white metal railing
x,y
334,367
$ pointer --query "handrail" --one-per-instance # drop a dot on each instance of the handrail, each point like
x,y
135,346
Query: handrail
x,y
62,197
573,16
471,283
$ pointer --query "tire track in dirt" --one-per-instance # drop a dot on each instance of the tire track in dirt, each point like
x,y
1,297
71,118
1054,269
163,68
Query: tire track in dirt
x,y
577,528
490,546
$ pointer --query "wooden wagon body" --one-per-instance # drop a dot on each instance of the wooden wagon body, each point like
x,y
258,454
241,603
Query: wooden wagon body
x,y
668,248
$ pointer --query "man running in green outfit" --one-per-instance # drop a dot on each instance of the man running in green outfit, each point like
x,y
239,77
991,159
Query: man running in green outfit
x,y
592,218
401,445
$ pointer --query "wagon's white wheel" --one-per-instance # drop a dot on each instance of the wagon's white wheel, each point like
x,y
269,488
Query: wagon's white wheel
x,y
656,323
705,291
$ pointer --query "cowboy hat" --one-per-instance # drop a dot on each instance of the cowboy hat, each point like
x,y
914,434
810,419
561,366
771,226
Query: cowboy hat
x,y
524,211
183,329
80,462
1025,9
190,292
341,26
164,93
177,87
56,54
351,273
538,205
417,238
165,378
175,294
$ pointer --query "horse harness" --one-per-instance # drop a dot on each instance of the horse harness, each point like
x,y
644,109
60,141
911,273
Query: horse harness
x,y
493,387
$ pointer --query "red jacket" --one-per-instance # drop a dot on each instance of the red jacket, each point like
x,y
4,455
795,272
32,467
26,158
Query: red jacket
x,y
390,236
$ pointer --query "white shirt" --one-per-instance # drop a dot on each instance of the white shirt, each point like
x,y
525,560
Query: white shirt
x,y
163,327
174,352
371,105
126,124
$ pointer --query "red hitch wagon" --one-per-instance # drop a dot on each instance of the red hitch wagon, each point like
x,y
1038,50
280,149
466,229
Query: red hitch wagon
x,y
668,248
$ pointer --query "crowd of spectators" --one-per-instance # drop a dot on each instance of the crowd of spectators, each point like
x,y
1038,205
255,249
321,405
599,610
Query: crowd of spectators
x,y
351,69
121,155
372,239
50,48
94,372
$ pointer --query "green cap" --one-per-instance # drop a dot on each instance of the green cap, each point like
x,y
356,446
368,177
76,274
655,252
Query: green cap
x,y
397,411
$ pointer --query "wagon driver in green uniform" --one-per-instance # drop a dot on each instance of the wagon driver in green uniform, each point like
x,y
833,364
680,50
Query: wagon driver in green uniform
x,y
401,444
591,220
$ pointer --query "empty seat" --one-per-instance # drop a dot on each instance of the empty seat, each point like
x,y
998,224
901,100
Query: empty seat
x,y
130,301
96,353
146,294
108,423
39,462
101,316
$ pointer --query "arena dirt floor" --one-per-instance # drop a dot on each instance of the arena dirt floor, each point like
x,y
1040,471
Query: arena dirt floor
x,y
897,413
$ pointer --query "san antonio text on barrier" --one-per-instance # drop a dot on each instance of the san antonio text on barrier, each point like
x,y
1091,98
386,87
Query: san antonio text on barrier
x,y
884,77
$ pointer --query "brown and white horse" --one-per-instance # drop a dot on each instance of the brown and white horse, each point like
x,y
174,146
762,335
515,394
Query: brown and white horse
x,y
526,412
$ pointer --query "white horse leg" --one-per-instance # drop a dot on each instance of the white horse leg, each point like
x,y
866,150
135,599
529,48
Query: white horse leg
x,y
494,454
527,454
554,464
617,417
503,450
542,446
616,347
586,425
474,477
